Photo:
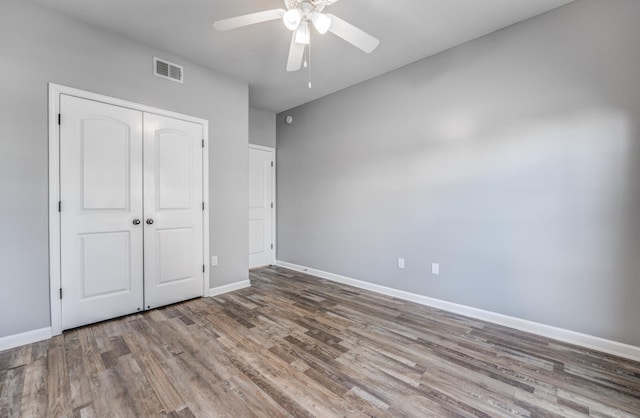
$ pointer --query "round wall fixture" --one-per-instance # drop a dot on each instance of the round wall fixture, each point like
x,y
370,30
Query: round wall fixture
x,y
288,120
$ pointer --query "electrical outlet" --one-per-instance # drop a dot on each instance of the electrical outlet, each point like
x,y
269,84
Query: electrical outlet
x,y
400,263
214,260
435,268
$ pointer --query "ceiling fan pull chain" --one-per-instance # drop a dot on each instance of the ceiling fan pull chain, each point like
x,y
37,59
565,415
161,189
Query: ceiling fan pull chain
x,y
309,59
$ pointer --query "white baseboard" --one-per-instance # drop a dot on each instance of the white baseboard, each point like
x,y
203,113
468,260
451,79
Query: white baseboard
x,y
23,338
219,290
584,340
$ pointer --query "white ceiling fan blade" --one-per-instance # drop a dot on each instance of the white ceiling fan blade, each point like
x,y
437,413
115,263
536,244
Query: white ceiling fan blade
x,y
353,35
296,54
325,2
250,19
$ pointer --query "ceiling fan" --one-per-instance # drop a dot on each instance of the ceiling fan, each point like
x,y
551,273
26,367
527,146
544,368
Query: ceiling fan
x,y
296,18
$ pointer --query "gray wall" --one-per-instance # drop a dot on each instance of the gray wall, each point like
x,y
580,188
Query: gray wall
x,y
38,46
262,127
512,160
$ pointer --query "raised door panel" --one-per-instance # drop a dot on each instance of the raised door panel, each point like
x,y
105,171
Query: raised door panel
x,y
106,162
257,237
105,276
174,170
173,206
101,195
175,247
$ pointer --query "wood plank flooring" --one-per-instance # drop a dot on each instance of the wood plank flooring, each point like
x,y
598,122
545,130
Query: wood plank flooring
x,y
295,345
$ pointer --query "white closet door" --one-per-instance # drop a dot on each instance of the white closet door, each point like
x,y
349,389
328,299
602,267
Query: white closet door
x,y
173,247
101,198
260,207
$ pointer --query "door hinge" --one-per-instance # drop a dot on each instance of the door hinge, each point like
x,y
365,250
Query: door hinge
x,y
59,119
203,143
202,205
271,163
203,268
59,206
272,246
271,205
60,293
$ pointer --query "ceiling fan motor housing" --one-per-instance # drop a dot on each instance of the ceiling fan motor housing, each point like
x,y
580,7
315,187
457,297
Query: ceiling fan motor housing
x,y
306,5
299,17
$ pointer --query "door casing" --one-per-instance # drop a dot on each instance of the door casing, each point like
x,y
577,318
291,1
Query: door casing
x,y
55,90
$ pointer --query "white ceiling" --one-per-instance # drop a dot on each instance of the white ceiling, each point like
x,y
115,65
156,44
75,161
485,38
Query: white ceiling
x,y
408,31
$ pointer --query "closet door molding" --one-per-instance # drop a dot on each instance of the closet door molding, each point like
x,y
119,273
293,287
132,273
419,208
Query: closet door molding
x,y
55,92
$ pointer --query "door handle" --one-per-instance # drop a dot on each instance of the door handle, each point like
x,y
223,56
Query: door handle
x,y
136,221
149,221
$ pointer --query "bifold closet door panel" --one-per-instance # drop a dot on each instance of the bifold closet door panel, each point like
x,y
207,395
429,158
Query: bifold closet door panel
x,y
173,210
101,203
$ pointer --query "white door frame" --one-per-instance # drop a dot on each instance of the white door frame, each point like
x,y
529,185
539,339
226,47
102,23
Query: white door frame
x,y
55,90
273,199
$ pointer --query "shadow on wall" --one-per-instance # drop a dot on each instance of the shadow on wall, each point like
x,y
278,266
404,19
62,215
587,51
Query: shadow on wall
x,y
543,213
513,161
531,219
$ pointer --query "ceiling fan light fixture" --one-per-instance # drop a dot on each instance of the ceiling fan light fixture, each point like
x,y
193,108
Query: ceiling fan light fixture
x,y
292,19
321,22
302,33
296,18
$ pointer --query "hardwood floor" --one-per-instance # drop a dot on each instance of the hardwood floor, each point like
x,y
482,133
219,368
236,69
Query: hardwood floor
x,y
295,345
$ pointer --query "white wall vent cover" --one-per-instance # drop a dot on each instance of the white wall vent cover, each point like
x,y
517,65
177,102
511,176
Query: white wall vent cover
x,y
168,70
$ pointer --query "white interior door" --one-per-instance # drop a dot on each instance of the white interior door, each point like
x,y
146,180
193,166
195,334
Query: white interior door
x,y
101,199
260,206
173,210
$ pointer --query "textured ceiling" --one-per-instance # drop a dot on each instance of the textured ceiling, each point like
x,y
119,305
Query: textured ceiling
x,y
408,31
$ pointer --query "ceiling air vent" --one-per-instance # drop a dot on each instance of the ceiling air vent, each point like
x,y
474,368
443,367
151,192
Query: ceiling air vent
x,y
168,70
